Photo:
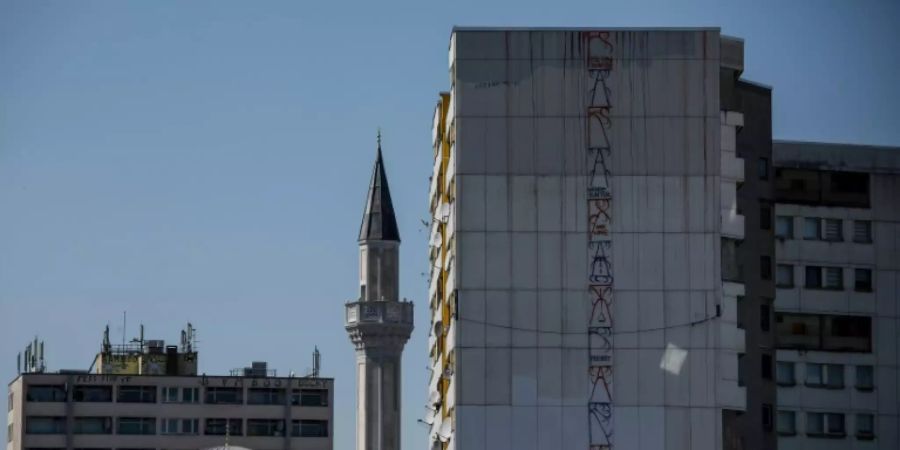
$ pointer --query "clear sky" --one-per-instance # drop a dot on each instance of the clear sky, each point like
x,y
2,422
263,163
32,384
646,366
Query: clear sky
x,y
208,160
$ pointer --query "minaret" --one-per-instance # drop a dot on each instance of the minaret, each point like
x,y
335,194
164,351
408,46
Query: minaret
x,y
378,323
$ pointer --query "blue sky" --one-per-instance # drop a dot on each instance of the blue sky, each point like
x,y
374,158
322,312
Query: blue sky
x,y
208,160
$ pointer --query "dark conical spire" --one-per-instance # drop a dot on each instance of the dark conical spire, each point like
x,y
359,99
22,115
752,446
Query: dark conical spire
x,y
379,223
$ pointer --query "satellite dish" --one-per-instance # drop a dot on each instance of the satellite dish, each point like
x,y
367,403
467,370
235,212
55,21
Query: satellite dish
x,y
429,417
446,430
434,398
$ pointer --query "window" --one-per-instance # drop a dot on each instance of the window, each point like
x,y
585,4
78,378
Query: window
x,y
263,396
834,278
786,423
309,428
765,267
767,416
740,374
818,277
9,433
45,425
217,427
10,401
45,393
813,277
765,217
136,425
825,424
92,394
762,168
765,317
834,230
812,228
784,227
265,427
767,366
863,280
829,376
784,373
170,395
93,425
137,394
847,333
179,426
190,395
222,395
865,426
784,276
862,231
865,378
309,397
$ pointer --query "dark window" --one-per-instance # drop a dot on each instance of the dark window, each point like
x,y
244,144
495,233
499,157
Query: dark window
x,y
862,231
784,276
863,282
813,277
93,425
767,417
824,332
218,427
10,401
812,228
848,333
786,423
45,393
309,397
136,425
865,378
264,396
834,230
136,394
784,373
92,394
849,183
45,425
740,312
223,395
765,217
784,227
865,427
265,427
190,395
767,366
741,358
309,428
762,168
765,315
765,267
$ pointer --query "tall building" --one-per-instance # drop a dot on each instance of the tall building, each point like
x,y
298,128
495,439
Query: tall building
x,y
145,395
749,260
585,198
378,323
837,228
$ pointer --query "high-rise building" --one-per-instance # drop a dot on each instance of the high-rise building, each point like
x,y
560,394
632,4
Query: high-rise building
x,y
379,324
837,228
585,214
146,395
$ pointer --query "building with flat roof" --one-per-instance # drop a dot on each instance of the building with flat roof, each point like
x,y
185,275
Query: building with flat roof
x,y
144,396
837,241
584,199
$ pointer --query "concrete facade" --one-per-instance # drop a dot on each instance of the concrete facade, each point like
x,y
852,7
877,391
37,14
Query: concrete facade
x,y
79,411
581,190
836,306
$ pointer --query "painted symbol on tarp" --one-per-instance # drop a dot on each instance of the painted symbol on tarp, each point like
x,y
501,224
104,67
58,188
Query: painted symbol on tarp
x,y
599,216
599,50
601,425
601,94
601,306
601,390
601,262
600,346
598,125
599,173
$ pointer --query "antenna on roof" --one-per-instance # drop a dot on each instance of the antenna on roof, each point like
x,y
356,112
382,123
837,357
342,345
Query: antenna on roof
x,y
317,362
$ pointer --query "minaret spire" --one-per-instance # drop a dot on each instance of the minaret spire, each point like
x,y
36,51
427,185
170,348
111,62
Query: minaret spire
x,y
379,222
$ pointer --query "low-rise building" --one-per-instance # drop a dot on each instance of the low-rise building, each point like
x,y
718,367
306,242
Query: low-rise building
x,y
121,406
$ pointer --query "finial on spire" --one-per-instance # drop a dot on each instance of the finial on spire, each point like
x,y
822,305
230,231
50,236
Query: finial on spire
x,y
379,137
